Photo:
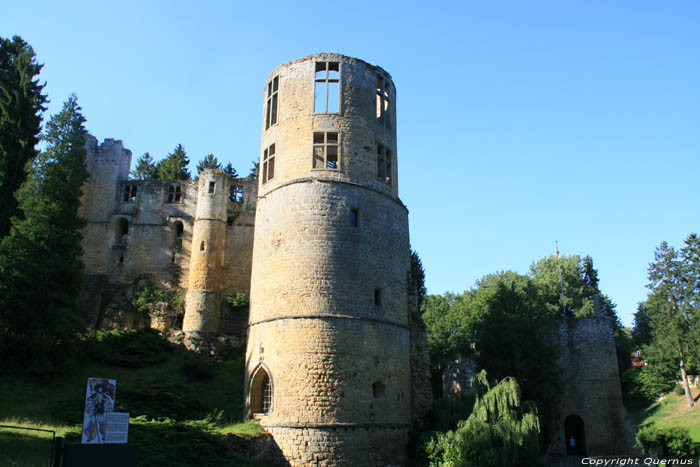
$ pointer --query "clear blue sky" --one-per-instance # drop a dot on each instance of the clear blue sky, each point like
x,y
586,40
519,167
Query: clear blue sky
x,y
519,122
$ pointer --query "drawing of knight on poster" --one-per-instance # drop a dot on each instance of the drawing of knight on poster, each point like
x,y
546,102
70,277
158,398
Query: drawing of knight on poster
x,y
99,401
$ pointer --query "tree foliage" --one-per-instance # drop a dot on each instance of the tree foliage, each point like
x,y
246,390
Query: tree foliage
x,y
21,108
43,247
501,430
673,307
253,175
230,171
146,168
174,166
209,162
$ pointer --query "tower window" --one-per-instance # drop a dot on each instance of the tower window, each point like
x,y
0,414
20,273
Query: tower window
x,y
261,392
326,150
174,194
354,218
202,246
383,93
212,187
384,163
327,87
271,115
235,194
378,297
178,230
268,163
121,231
378,390
130,192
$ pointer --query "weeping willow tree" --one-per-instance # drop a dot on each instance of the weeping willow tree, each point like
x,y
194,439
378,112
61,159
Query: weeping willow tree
x,y
501,430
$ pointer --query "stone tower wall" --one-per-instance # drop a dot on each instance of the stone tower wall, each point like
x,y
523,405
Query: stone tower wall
x,y
592,390
206,280
328,318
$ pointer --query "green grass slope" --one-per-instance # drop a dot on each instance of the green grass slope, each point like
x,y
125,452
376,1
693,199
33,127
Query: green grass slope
x,y
181,404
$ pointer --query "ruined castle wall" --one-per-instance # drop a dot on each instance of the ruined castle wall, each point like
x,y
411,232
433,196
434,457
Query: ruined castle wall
x,y
328,312
592,388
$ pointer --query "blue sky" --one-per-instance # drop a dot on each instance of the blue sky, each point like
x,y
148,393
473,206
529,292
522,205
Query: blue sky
x,y
519,123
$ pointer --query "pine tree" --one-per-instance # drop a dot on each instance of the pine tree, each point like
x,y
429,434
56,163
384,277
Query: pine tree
x,y
145,168
174,166
675,320
253,175
21,107
209,162
43,250
230,171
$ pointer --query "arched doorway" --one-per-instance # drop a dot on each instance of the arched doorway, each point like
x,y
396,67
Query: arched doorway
x,y
260,392
574,436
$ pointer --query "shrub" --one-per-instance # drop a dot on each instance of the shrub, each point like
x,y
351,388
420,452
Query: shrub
x,y
146,295
130,349
670,442
237,300
199,368
158,400
678,390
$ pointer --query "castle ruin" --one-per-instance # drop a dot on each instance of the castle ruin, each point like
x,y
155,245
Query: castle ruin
x,y
336,361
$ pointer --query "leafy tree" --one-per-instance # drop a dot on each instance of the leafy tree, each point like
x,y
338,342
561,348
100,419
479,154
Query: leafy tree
x,y
209,162
674,281
174,166
254,171
145,168
21,107
230,171
43,248
501,430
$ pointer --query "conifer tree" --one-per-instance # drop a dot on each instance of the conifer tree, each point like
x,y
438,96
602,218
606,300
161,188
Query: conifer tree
x,y
145,168
230,171
174,166
21,107
209,162
254,171
40,266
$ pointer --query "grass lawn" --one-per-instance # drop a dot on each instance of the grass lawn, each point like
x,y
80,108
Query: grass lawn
x,y
670,411
180,407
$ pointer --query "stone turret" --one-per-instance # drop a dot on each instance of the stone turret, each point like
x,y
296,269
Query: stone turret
x,y
206,281
328,339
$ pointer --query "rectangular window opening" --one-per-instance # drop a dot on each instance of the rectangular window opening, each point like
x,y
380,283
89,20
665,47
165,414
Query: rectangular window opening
x,y
201,246
271,114
354,218
327,87
383,164
174,194
212,187
326,150
130,192
235,194
268,169
383,101
378,297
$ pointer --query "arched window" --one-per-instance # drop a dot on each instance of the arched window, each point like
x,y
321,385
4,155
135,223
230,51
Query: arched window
x,y
260,392
121,230
575,436
177,231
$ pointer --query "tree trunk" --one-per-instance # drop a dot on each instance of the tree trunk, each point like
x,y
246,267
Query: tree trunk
x,y
686,387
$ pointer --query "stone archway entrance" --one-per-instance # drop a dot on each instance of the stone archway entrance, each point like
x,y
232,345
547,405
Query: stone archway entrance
x,y
574,436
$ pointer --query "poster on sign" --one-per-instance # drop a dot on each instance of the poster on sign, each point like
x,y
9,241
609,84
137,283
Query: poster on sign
x,y
99,404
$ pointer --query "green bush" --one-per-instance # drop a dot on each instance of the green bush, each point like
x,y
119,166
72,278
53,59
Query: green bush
x,y
199,368
669,442
678,390
159,400
130,349
146,295
237,300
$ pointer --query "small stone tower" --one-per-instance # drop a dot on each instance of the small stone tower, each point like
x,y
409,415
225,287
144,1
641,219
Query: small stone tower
x,y
328,338
206,281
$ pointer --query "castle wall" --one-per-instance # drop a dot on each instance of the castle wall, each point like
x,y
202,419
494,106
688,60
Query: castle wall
x,y
592,390
329,303
152,249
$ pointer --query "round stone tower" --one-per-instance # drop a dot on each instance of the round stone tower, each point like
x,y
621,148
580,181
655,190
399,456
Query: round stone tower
x,y
328,340
203,299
